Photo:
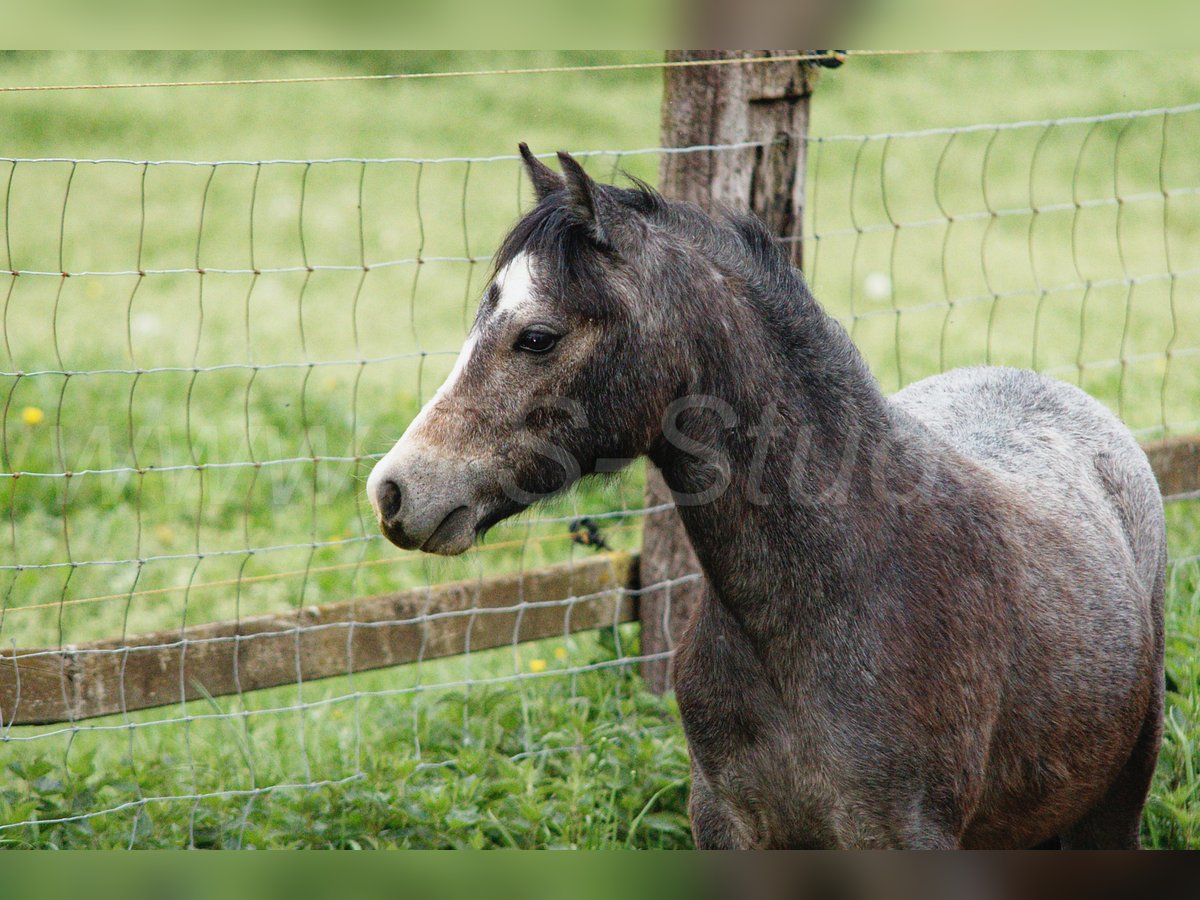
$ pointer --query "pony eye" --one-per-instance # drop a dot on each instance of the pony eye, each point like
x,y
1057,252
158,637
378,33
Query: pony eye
x,y
537,340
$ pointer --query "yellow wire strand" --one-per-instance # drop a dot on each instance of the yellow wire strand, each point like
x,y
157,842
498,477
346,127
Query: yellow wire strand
x,y
249,579
478,73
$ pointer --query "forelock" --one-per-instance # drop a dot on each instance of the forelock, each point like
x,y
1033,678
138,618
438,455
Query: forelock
x,y
549,235
551,232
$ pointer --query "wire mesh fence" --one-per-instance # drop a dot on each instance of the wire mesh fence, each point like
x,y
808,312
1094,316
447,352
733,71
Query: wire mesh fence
x,y
203,359
1064,246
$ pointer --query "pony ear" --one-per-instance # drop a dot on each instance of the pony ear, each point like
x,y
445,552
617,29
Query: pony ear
x,y
586,199
545,180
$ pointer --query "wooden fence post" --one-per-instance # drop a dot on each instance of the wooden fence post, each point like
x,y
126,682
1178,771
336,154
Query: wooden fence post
x,y
761,103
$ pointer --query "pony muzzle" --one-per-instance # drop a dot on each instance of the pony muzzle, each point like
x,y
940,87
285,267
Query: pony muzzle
x,y
423,505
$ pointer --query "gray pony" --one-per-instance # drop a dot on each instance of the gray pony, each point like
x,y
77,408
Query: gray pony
x,y
933,619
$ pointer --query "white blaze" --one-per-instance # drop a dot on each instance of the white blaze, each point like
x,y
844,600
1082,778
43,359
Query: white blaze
x,y
390,461
515,285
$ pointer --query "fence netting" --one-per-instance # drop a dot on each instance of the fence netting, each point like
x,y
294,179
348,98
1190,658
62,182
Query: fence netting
x,y
202,360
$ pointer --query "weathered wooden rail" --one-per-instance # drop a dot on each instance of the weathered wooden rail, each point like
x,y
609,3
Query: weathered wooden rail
x,y
1176,463
99,678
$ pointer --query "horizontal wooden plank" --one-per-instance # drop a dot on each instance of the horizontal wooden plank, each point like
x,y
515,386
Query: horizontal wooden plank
x,y
111,676
1176,464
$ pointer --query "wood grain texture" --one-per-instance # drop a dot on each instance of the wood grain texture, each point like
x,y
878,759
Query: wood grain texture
x,y
1176,464
112,676
767,104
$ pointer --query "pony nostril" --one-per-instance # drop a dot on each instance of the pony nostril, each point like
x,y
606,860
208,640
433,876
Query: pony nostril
x,y
388,497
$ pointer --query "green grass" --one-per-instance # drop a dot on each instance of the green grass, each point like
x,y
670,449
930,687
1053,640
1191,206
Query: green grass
x,y
434,766
584,761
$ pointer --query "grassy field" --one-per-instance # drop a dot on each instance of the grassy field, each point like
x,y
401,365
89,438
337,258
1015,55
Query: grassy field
x,y
189,407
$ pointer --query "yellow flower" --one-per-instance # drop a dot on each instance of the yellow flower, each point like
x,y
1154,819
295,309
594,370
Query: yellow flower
x,y
560,653
31,415
537,665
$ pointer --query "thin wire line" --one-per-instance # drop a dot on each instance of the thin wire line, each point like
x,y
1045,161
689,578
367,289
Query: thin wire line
x,y
221,367
304,545
478,73
271,576
142,802
1154,112
75,728
279,270
374,160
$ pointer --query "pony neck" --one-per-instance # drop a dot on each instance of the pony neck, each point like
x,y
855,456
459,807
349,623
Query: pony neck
x,y
809,442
